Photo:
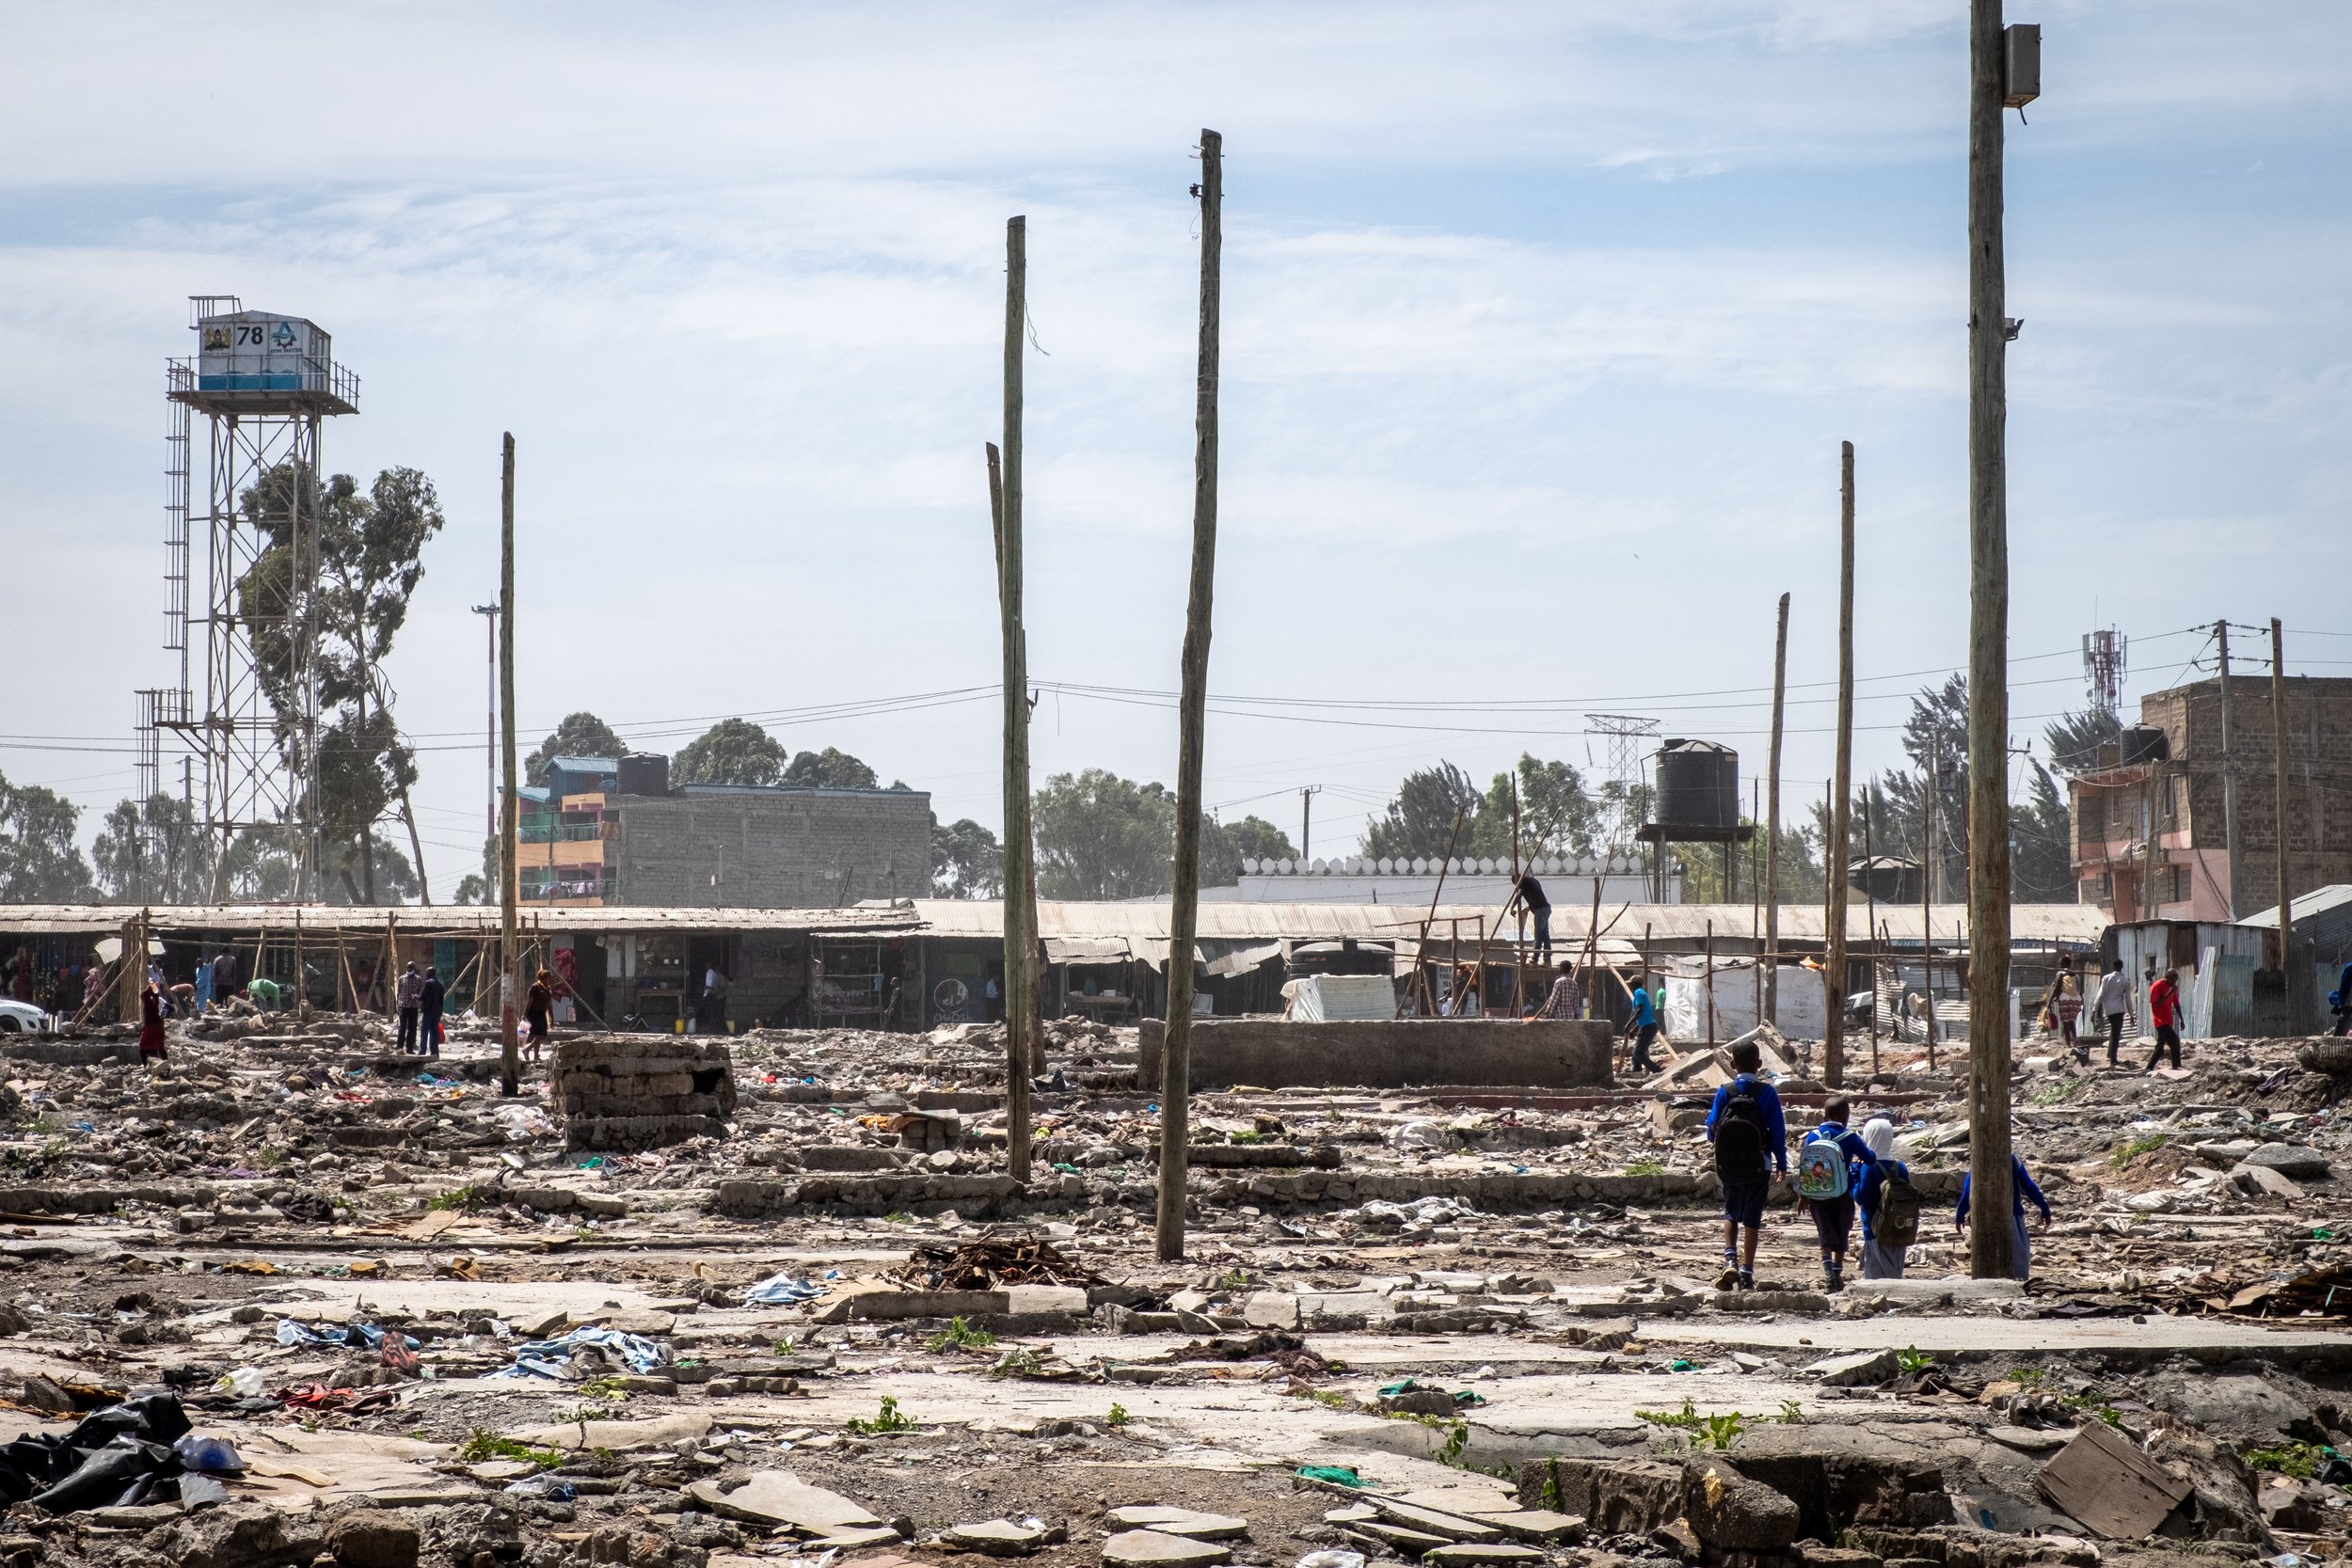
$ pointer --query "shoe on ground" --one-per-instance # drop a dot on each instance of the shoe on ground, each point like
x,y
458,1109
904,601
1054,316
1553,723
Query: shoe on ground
x,y
1728,1279
1747,1281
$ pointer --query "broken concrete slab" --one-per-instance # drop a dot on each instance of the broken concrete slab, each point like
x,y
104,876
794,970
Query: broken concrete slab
x,y
1450,1527
1271,1309
1472,1553
997,1538
2296,1162
1732,1512
1844,1371
1152,1549
781,1497
1186,1522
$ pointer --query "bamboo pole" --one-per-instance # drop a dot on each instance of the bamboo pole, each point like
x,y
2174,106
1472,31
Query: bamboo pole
x,y
1989,1249
1772,828
1184,910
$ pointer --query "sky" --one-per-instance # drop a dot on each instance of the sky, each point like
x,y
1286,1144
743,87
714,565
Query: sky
x,y
1542,325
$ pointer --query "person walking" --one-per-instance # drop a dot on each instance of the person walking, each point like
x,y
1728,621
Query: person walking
x,y
150,1022
203,986
408,995
430,998
2164,1011
2020,1187
1530,893
1829,1176
1641,1024
1751,1144
2066,1007
2344,1001
2114,1001
1888,1203
538,1010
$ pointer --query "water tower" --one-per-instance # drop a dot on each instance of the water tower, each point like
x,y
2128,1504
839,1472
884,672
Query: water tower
x,y
249,407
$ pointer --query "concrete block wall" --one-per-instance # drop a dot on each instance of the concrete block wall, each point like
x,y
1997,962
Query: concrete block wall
x,y
642,1091
770,849
1547,1054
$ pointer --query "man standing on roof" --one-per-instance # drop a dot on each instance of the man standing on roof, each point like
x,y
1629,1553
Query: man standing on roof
x,y
1530,893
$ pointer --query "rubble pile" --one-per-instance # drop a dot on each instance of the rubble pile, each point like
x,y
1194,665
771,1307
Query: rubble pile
x,y
708,1303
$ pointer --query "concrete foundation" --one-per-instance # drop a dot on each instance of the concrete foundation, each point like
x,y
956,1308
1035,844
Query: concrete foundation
x,y
1387,1055
642,1091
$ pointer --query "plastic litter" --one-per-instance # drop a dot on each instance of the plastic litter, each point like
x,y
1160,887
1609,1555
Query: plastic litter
x,y
245,1382
784,1290
547,1487
214,1455
1332,1559
1339,1475
292,1332
119,1457
548,1358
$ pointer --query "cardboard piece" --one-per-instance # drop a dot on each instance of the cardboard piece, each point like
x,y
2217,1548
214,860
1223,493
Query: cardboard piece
x,y
2101,1479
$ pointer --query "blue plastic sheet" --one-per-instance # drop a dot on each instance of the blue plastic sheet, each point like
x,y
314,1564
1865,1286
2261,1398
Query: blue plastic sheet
x,y
784,1290
548,1358
292,1333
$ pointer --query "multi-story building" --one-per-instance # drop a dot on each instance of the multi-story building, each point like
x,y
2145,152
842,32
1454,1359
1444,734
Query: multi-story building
x,y
609,831
2151,816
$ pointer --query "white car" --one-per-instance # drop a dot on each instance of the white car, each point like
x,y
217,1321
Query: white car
x,y
23,1018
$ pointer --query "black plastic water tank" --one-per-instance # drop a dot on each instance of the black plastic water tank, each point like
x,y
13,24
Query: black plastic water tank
x,y
643,774
2145,743
1698,784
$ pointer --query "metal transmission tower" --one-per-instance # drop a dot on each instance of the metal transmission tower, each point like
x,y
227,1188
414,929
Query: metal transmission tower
x,y
2106,659
1631,742
263,384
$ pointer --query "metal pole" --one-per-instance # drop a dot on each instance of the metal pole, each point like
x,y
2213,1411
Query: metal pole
x,y
2229,777
1989,1246
510,817
1772,827
1833,859
1176,1055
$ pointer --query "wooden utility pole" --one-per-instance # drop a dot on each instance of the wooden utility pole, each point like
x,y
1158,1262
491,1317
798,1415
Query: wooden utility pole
x,y
1021,991
1184,912
510,812
1834,857
1989,1246
1931,811
2229,775
1871,874
2278,745
1771,957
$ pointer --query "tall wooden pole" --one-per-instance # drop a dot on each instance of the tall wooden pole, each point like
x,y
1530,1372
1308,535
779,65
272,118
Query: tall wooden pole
x,y
1841,788
1989,1246
1771,959
2278,744
1176,1055
2229,778
1930,859
1870,858
510,812
1021,992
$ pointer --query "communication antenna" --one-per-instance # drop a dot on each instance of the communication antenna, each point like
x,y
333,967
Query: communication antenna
x,y
2105,659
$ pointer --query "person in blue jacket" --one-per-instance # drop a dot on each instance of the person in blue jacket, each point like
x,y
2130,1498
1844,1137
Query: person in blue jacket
x,y
2020,1187
2344,1001
1751,1141
1641,1024
1879,1260
1833,1218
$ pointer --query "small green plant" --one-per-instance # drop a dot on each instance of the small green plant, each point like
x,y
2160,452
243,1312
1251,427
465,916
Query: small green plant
x,y
1686,1418
1118,1418
2057,1092
480,1446
1456,1439
606,1389
469,1197
2138,1147
1021,1361
1646,1167
1249,1137
2090,1402
1232,1279
2301,1460
583,1414
958,1335
2031,1376
1911,1359
1791,1412
783,1346
45,1124
1717,1431
1330,1399
897,1216
889,1418
271,1157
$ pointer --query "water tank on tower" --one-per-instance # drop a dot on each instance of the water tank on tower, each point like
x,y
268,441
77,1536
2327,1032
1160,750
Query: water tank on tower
x,y
1698,786
643,773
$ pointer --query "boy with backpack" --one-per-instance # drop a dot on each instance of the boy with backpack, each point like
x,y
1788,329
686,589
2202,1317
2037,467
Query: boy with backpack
x,y
1751,1144
1889,1205
1828,1173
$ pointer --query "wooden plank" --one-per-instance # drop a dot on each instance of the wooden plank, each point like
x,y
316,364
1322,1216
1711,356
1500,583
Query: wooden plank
x,y
2101,1479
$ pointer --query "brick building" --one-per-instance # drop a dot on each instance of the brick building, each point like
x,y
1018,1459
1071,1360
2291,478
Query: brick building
x,y
606,830
2149,818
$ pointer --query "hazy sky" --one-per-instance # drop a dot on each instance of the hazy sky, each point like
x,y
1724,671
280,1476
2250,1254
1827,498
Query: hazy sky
x,y
1543,322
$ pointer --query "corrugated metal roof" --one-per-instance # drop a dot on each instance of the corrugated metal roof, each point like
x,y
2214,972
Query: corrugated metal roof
x,y
2318,901
441,919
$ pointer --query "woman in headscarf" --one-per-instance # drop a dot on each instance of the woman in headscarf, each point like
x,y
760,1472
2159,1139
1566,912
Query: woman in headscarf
x,y
150,1022
538,1009
1882,1257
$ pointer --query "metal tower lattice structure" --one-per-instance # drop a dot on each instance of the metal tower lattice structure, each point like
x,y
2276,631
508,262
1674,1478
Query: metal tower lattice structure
x,y
1630,741
2105,659
262,384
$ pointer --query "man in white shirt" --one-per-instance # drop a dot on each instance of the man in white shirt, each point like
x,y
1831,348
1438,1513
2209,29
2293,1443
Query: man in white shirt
x,y
2114,1001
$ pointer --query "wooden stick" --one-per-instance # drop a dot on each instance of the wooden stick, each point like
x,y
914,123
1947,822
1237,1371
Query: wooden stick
x,y
1835,853
1772,822
1192,723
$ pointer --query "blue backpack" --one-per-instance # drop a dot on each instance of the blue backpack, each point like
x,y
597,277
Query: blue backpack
x,y
1820,1173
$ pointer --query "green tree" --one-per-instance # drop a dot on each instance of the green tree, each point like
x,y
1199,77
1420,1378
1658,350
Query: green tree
x,y
2041,849
581,734
2075,738
369,563
1555,815
152,851
1224,844
831,769
1102,836
731,751
39,862
967,862
1420,821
